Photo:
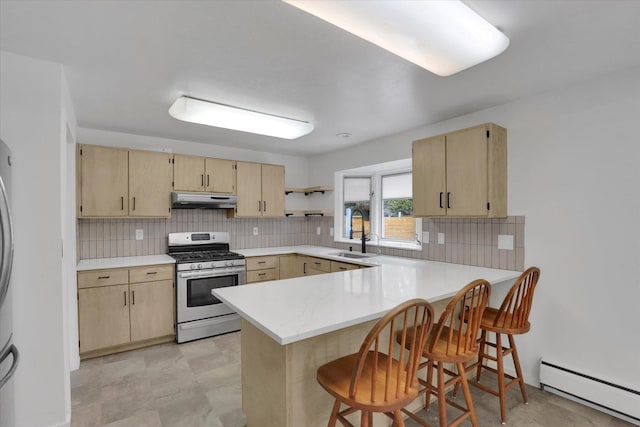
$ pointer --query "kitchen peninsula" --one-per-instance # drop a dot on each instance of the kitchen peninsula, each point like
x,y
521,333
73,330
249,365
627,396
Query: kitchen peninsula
x,y
291,327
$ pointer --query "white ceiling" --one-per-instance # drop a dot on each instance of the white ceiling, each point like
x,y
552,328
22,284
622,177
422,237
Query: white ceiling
x,y
126,62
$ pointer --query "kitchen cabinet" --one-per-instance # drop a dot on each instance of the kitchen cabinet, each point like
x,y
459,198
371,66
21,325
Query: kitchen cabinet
x,y
194,173
150,175
461,174
122,309
262,268
260,190
103,189
343,266
290,266
115,182
314,265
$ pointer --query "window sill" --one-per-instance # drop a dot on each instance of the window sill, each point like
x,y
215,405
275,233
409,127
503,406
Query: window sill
x,y
412,246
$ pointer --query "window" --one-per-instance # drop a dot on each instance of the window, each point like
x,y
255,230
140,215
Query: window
x,y
380,197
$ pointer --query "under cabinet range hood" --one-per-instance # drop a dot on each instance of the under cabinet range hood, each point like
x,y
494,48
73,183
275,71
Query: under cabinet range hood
x,y
180,200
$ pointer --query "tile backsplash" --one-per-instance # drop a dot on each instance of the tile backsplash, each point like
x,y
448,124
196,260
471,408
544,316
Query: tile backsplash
x,y
472,241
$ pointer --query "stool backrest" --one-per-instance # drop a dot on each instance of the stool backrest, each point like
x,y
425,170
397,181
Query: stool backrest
x,y
380,342
459,322
516,306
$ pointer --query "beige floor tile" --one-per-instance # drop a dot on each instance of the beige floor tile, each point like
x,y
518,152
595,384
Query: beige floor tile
x,y
139,419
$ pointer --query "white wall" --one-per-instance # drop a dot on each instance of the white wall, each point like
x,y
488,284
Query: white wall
x,y
30,124
573,172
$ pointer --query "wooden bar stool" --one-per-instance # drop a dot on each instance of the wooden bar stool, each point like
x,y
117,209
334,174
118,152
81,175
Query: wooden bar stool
x,y
512,318
372,380
454,339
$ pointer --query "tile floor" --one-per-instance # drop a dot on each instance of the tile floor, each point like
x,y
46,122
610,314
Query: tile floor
x,y
197,384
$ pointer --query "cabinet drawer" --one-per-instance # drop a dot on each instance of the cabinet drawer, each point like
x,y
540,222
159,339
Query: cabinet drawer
x,y
262,275
342,266
261,262
109,277
151,273
319,264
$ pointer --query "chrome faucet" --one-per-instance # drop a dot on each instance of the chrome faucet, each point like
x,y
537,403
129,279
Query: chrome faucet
x,y
364,244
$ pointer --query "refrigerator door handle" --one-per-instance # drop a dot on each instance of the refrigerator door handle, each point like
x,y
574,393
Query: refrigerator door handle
x,y
10,349
6,257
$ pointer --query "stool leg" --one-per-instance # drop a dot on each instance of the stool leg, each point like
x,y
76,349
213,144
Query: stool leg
x,y
516,362
481,350
501,391
334,414
365,419
442,403
467,397
427,398
397,419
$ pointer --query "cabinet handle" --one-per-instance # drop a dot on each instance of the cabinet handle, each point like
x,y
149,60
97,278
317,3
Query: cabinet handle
x,y
259,206
207,180
262,274
121,203
202,180
342,268
448,200
441,193
103,277
125,298
264,206
317,262
152,272
304,268
133,297
262,262
134,203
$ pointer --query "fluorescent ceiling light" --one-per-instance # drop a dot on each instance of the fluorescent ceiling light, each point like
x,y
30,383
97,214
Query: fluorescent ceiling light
x,y
443,36
224,116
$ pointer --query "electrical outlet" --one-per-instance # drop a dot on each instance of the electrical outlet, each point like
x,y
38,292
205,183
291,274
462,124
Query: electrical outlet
x,y
425,237
318,230
331,231
139,234
441,238
505,241
255,231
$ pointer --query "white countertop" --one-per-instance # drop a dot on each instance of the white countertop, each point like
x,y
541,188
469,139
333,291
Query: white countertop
x,y
123,262
295,309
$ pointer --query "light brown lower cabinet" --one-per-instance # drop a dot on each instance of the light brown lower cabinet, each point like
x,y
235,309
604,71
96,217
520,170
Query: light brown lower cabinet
x,y
343,266
121,309
262,268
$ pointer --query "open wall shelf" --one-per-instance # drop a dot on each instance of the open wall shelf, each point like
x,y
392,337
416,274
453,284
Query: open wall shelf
x,y
308,190
309,213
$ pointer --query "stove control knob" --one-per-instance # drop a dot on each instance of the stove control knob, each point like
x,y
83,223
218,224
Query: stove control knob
x,y
199,266
229,263
192,266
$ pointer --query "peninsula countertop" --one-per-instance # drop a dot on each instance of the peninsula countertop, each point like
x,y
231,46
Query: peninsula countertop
x,y
295,309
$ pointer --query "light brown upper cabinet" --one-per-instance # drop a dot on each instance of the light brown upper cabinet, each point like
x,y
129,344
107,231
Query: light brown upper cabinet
x,y
461,174
193,173
260,190
116,182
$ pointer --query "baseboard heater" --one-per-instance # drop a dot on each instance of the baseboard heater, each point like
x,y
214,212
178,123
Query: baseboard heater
x,y
619,401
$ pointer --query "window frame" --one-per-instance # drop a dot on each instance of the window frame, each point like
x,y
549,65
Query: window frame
x,y
376,213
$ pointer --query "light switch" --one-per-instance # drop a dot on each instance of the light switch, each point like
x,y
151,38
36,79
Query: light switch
x,y
139,234
331,231
441,238
255,231
505,241
425,237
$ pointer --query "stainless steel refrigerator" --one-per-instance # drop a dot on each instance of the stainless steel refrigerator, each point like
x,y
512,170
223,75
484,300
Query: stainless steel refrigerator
x,y
8,351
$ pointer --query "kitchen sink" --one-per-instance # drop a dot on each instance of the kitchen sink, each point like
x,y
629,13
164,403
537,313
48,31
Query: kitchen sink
x,y
354,255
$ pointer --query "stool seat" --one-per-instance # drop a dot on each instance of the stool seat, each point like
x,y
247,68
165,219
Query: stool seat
x,y
489,323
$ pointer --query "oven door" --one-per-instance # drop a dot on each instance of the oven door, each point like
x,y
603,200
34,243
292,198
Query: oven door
x,y
194,300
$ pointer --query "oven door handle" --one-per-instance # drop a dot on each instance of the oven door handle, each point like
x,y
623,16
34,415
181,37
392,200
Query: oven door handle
x,y
209,273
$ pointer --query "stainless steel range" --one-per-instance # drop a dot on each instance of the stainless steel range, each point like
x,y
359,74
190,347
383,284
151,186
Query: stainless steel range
x,y
203,263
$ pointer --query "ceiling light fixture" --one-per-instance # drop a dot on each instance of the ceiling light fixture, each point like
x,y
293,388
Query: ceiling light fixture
x,y
209,113
442,36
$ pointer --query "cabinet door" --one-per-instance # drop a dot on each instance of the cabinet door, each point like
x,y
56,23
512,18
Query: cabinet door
x,y
188,173
291,266
220,176
103,317
152,310
467,172
104,181
429,177
249,189
150,175
272,191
